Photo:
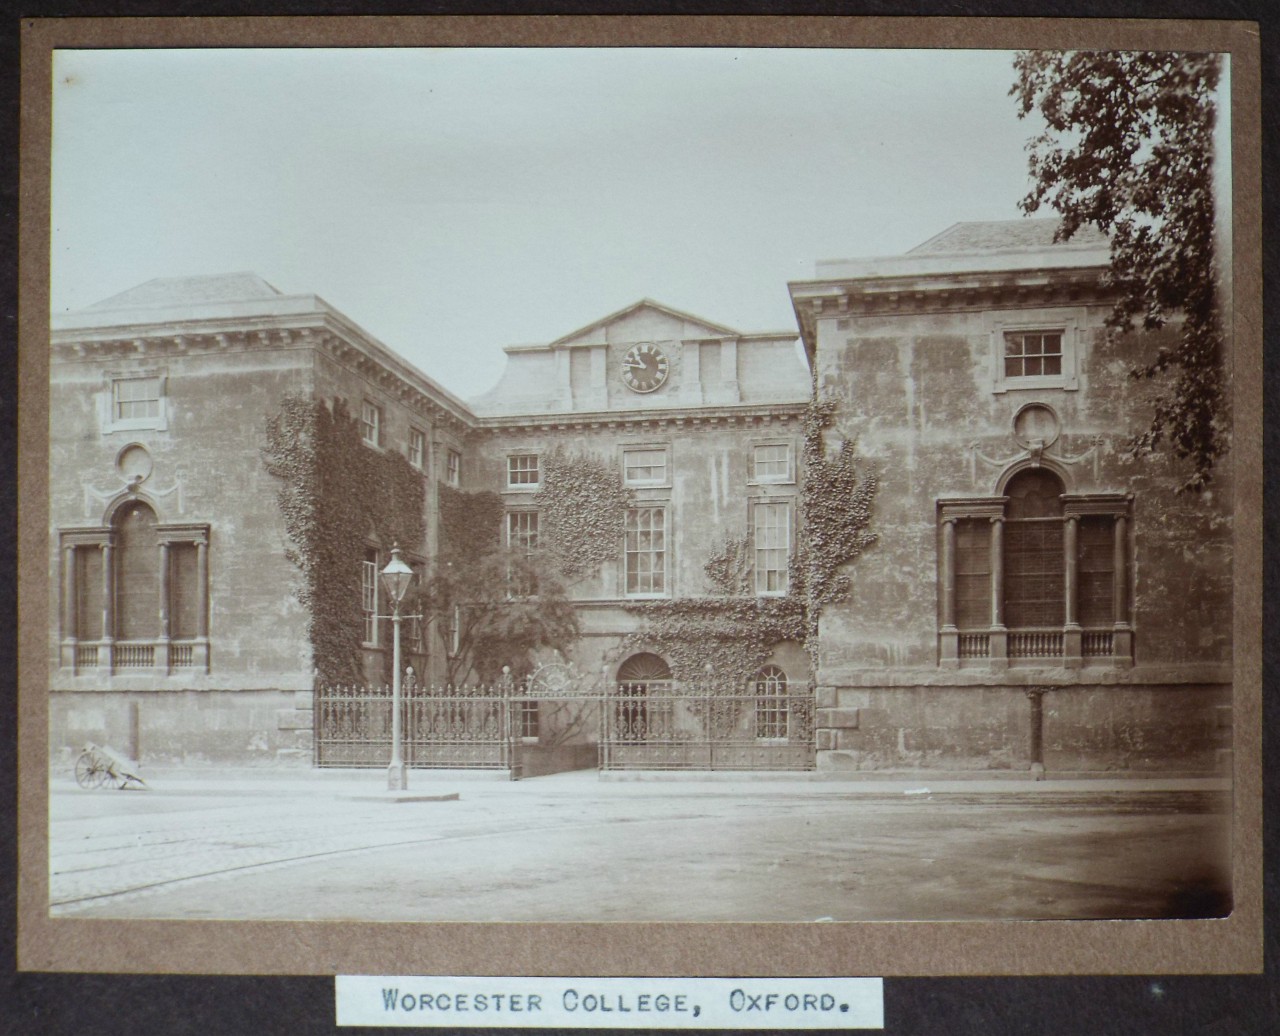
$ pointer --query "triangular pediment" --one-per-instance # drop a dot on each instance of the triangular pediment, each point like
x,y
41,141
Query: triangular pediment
x,y
643,320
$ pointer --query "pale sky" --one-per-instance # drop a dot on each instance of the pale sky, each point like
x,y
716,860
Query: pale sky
x,y
451,202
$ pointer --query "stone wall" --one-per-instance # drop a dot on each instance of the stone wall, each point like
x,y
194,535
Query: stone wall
x,y
248,727
921,394
1084,728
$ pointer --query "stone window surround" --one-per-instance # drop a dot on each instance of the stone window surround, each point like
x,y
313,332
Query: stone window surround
x,y
114,377
991,646
167,655
1067,320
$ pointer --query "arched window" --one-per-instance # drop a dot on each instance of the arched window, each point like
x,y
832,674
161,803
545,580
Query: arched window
x,y
638,677
135,593
1034,574
771,702
1037,573
137,574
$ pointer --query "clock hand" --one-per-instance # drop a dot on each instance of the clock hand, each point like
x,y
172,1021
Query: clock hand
x,y
635,366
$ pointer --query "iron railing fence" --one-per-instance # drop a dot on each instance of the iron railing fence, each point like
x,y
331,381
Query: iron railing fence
x,y
443,728
694,728
664,726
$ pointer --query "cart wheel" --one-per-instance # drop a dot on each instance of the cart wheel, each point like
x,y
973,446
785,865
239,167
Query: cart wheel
x,y
89,774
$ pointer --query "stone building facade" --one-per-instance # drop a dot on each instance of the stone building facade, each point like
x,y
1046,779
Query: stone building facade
x,y
177,608
706,438
1037,597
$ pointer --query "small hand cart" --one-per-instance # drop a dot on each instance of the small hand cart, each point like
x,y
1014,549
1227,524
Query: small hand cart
x,y
99,767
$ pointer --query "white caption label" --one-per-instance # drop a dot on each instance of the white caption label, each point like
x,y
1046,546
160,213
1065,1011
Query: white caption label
x,y
610,1003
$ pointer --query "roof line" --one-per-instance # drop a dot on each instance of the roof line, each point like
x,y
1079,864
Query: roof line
x,y
670,310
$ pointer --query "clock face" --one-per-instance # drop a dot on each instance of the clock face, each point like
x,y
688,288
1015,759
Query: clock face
x,y
644,368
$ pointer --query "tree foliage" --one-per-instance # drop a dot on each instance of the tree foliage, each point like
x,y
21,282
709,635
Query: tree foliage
x,y
490,606
1128,148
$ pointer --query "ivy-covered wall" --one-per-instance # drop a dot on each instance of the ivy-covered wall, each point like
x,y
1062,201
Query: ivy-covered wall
x,y
338,496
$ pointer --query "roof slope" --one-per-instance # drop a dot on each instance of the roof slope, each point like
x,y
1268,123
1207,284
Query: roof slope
x,y
182,291
1002,235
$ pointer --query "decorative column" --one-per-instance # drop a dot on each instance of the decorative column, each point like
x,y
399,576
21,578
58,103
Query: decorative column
x,y
106,659
1122,637
67,655
1072,635
162,644
201,647
949,636
998,641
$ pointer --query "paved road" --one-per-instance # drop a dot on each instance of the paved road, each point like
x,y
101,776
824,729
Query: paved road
x,y
574,848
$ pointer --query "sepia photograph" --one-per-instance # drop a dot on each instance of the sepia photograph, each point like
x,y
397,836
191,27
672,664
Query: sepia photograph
x,y
641,484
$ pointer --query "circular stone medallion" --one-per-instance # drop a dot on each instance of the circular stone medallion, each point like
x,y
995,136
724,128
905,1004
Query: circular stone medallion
x,y
134,463
1036,425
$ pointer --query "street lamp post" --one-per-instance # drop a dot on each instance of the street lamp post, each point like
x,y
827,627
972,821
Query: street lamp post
x,y
395,579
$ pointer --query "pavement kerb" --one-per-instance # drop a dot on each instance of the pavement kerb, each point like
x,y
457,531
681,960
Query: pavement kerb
x,y
431,785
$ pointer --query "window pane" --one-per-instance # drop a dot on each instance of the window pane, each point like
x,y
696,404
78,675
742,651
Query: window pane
x,y
645,551
973,574
771,529
1034,576
137,574
88,593
369,596
644,465
771,462
136,398
370,423
771,702
1096,543
1030,354
522,470
183,589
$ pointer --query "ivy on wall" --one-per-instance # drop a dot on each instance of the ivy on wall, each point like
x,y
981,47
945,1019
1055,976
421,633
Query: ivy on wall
x,y
728,569
582,507
470,523
835,512
335,495
733,635
736,632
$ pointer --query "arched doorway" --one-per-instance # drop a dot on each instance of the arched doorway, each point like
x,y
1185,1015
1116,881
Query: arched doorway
x,y
639,677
